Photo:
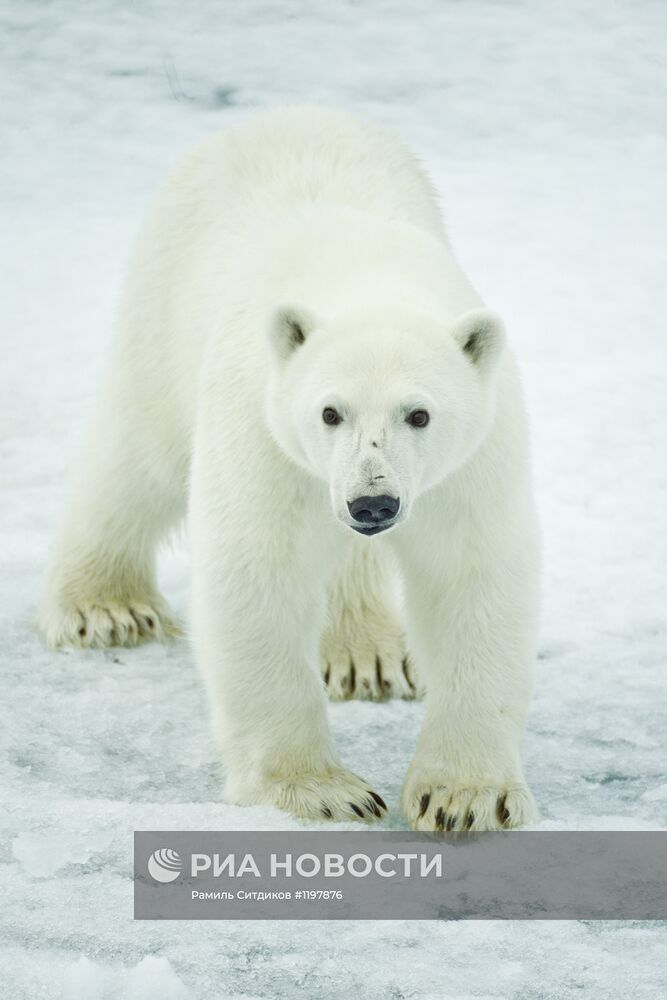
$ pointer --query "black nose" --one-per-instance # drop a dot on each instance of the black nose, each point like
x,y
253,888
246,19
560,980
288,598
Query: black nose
x,y
374,510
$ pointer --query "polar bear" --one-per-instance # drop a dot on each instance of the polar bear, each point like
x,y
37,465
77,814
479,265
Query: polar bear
x,y
302,367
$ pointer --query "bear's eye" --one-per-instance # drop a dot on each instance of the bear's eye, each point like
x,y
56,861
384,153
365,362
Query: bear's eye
x,y
331,416
418,418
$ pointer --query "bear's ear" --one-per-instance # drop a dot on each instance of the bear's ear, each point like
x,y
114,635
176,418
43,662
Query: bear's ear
x,y
289,327
481,336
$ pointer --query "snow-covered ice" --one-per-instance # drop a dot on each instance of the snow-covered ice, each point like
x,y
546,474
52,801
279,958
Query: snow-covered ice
x,y
543,125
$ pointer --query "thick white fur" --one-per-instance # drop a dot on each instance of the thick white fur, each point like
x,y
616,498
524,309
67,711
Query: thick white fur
x,y
298,261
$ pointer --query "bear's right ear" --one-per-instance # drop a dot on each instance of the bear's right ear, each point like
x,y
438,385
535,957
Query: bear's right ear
x,y
289,327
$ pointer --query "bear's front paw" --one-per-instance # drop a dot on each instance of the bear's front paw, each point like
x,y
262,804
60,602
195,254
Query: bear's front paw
x,y
367,658
337,795
455,805
103,623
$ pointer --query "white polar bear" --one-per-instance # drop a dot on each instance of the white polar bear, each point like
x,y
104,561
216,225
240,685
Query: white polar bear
x,y
301,363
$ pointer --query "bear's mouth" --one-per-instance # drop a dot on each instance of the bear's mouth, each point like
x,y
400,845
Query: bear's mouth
x,y
372,529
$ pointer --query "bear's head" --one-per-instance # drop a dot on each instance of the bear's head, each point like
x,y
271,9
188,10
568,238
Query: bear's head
x,y
381,407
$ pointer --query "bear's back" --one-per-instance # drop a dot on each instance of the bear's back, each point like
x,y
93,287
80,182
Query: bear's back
x,y
282,157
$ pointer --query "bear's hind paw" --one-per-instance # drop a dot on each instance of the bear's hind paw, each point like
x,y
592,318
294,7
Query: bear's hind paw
x,y
369,662
102,623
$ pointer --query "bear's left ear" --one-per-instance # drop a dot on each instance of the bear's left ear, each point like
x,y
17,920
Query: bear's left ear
x,y
481,335
289,327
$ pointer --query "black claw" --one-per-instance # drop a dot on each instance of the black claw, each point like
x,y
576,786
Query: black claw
x,y
380,801
470,820
326,812
423,805
356,808
404,667
451,823
440,819
504,816
378,674
373,807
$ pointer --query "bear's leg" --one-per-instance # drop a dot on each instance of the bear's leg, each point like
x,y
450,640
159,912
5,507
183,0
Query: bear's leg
x,y
260,556
473,631
126,496
363,652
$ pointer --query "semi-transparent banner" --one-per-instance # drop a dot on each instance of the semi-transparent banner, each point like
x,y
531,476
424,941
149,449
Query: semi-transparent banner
x,y
371,875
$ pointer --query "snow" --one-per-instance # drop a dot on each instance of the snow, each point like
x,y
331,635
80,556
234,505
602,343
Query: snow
x,y
544,127
151,979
